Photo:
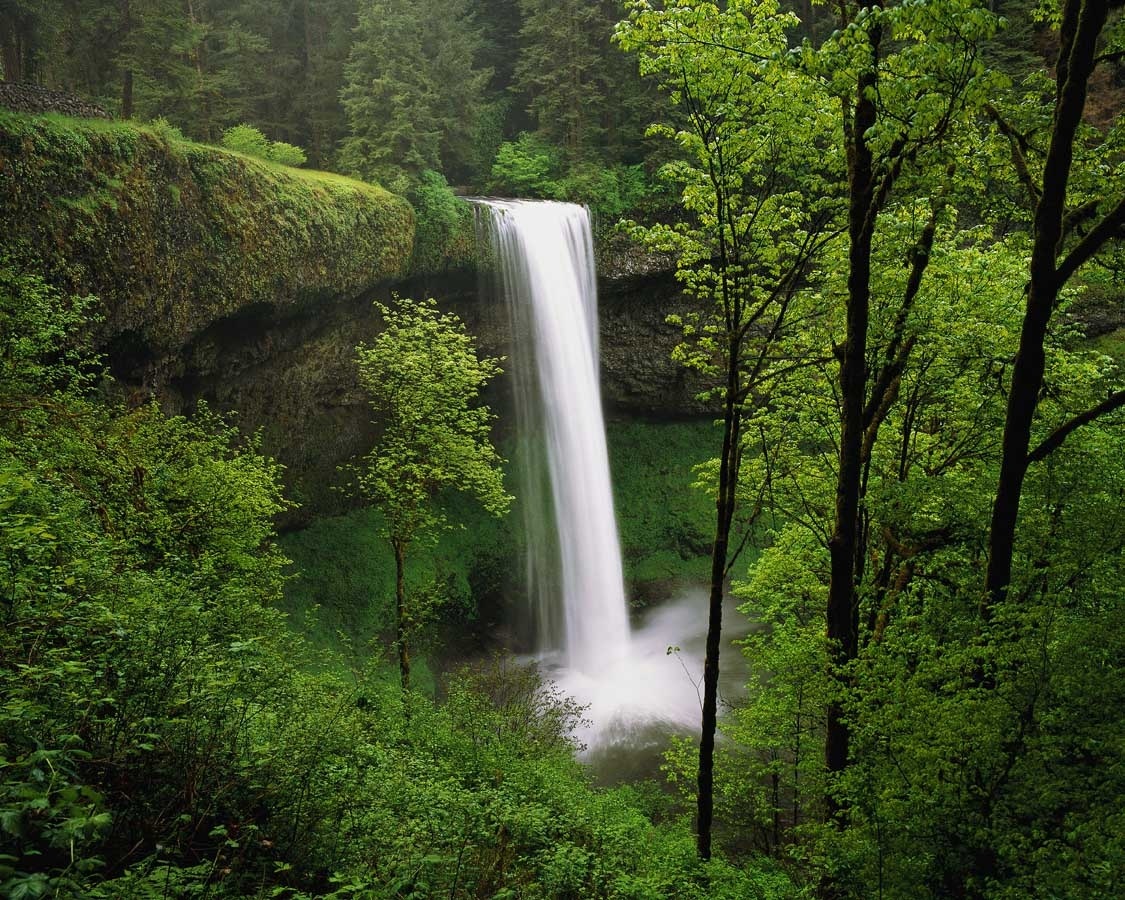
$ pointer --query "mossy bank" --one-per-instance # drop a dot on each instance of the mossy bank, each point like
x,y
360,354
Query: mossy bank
x,y
224,278
173,236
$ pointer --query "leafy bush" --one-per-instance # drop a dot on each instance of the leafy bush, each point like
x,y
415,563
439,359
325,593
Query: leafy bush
x,y
136,631
528,167
163,127
287,154
532,167
249,140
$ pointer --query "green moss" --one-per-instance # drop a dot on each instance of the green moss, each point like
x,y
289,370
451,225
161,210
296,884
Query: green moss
x,y
173,235
666,524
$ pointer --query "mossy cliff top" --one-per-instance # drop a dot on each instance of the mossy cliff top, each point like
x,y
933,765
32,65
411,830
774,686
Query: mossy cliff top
x,y
173,236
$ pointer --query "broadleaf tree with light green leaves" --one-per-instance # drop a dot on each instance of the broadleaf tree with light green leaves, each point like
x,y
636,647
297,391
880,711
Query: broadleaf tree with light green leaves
x,y
423,378
892,733
747,245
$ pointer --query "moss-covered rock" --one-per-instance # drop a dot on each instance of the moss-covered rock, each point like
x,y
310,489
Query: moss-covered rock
x,y
174,236
247,284
445,233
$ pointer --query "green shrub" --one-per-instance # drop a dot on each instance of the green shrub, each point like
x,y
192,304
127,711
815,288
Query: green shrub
x,y
247,139
165,128
528,167
532,167
287,154
609,191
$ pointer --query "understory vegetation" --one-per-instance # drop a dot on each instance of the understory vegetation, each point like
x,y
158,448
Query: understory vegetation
x,y
164,733
342,581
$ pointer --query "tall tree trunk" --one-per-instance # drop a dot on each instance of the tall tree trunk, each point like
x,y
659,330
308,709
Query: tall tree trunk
x,y
127,75
843,613
400,616
127,94
1083,20
196,57
11,53
724,513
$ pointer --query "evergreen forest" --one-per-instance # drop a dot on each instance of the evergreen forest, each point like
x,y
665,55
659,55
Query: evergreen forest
x,y
266,524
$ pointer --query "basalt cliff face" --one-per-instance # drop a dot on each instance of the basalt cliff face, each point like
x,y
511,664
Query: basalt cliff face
x,y
292,374
246,285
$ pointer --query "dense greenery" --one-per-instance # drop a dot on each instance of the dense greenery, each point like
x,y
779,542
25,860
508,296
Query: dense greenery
x,y
898,222
342,590
204,232
663,517
164,734
912,725
375,89
423,378
247,139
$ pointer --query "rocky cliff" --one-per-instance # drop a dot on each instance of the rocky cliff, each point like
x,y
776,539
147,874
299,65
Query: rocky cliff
x,y
292,373
245,284
174,236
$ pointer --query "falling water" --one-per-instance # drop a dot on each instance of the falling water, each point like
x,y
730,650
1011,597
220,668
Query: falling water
x,y
545,267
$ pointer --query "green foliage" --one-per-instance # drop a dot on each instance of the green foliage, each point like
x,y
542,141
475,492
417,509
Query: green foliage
x,y
287,154
137,550
423,379
528,167
664,521
37,331
413,86
609,191
162,733
444,234
1112,345
249,140
165,128
341,593
532,167
585,99
956,782
207,232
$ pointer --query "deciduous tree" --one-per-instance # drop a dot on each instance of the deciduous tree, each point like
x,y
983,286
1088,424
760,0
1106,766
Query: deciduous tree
x,y
757,218
424,378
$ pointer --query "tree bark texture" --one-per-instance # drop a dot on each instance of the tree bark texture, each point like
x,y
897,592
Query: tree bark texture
x,y
1083,20
843,612
400,615
724,513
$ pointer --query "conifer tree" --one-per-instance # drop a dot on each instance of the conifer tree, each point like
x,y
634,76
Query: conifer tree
x,y
413,88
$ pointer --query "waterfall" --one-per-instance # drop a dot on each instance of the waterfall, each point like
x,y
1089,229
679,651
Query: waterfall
x,y
544,259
